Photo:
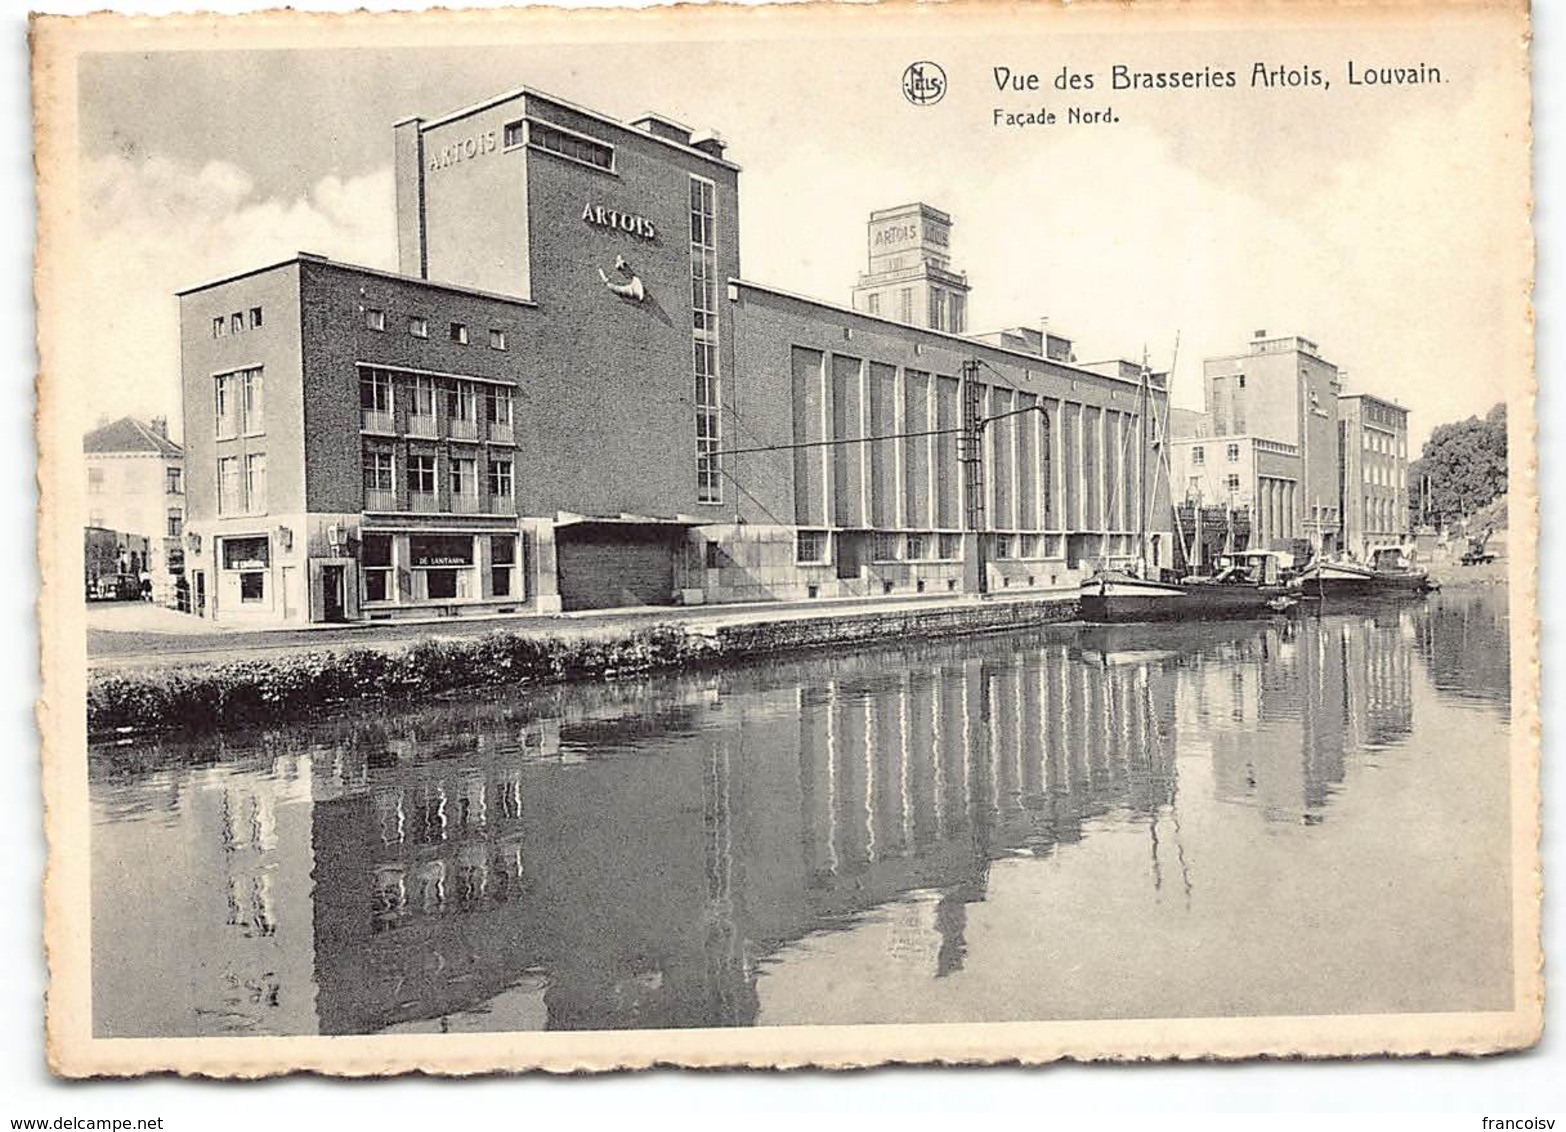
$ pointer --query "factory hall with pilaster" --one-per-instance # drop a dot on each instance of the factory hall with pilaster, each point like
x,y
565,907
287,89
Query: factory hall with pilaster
x,y
569,396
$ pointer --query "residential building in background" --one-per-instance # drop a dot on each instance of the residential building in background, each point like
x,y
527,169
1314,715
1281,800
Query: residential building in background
x,y
1373,441
1278,401
136,486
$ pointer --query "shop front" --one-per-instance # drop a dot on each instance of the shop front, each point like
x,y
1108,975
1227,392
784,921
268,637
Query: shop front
x,y
449,573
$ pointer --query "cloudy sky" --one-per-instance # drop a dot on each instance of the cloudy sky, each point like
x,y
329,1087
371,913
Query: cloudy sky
x,y
1382,223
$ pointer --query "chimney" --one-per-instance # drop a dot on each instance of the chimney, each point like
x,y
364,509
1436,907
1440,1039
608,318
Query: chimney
x,y
712,145
160,425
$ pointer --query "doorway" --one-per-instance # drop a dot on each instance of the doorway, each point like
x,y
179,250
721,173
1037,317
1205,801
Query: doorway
x,y
333,606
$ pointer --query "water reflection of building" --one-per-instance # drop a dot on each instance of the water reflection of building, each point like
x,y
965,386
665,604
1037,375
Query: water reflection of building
x,y
487,868
202,926
1283,707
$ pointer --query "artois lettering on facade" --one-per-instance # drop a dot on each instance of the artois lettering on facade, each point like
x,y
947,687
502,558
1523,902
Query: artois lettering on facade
x,y
465,150
636,225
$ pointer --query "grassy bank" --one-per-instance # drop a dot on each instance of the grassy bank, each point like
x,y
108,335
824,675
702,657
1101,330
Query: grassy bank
x,y
277,689
294,686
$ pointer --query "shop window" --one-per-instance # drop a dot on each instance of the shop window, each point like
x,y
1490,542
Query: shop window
x,y
444,565
252,586
810,546
502,564
375,567
246,553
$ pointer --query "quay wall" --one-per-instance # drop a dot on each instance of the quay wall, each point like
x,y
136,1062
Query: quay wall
x,y
273,689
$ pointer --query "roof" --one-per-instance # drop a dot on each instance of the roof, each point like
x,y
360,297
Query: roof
x,y
129,435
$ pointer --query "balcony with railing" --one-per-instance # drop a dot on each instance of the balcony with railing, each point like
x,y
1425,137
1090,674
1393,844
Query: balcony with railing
x,y
465,503
377,420
502,505
501,432
460,429
378,500
424,502
422,424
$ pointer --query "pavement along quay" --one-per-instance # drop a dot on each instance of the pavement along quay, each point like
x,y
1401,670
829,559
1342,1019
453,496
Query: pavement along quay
x,y
139,637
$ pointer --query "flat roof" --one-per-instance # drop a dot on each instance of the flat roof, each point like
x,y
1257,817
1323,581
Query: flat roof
x,y
518,92
1373,397
359,269
963,340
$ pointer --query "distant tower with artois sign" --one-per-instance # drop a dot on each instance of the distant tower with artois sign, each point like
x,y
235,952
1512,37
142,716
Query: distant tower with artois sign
x,y
910,278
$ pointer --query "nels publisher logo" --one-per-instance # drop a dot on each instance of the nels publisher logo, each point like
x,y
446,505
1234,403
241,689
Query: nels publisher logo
x,y
924,83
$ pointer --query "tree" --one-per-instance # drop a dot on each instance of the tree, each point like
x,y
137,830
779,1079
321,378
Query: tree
x,y
1464,465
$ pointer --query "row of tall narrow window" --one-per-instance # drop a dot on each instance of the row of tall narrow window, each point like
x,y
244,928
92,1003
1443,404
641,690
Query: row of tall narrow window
x,y
460,401
421,478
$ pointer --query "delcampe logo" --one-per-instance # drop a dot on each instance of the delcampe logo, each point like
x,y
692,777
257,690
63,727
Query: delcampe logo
x,y
924,83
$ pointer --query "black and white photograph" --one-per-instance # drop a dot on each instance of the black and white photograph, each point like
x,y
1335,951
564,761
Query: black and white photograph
x,y
815,536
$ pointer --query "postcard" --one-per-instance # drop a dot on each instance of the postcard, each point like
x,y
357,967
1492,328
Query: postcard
x,y
815,535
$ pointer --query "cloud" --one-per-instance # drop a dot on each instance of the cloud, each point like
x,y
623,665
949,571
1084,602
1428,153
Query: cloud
x,y
153,227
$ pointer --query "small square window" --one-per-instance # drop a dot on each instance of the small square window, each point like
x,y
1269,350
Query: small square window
x,y
236,321
255,318
375,319
497,339
418,326
219,326
513,135
459,333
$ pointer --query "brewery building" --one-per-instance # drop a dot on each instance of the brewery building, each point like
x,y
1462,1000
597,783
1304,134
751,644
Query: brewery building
x,y
568,396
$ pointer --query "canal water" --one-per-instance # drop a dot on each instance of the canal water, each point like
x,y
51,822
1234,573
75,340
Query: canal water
x,y
1291,817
